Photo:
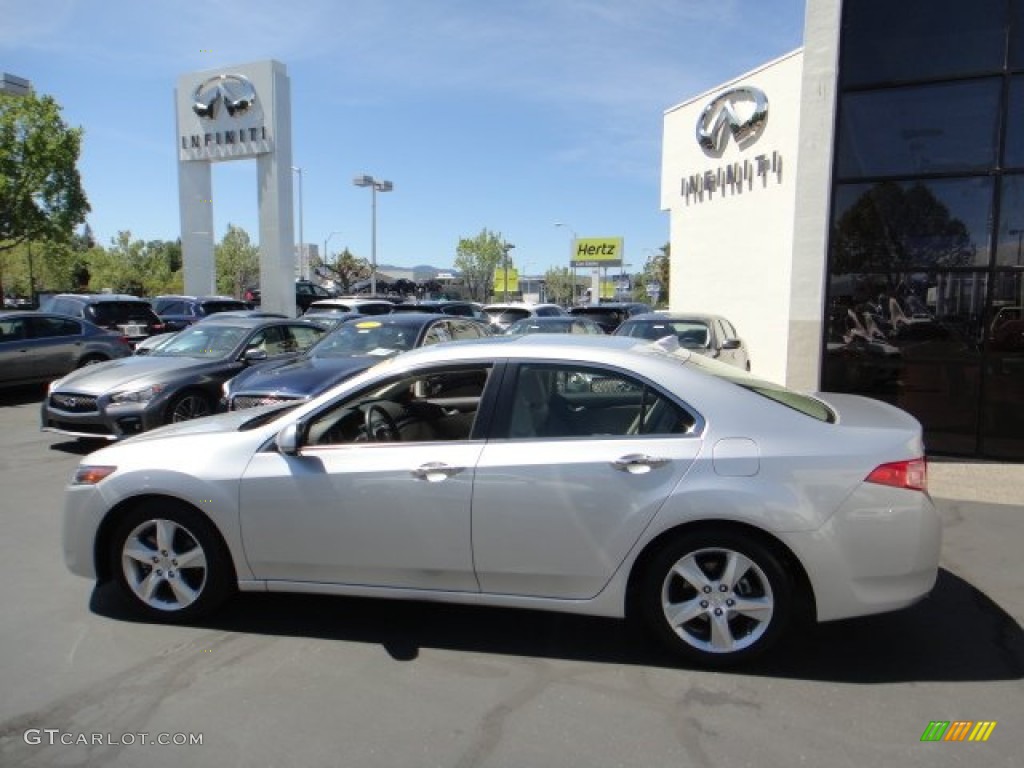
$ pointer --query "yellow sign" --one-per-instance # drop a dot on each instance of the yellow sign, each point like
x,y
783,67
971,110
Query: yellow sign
x,y
597,252
499,280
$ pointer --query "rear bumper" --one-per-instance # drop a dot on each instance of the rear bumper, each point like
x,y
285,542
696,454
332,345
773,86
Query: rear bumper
x,y
878,553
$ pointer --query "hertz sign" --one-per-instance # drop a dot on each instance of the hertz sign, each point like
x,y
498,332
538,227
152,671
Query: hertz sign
x,y
597,252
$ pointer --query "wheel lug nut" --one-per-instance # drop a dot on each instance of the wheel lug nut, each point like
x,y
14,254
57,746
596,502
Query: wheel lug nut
x,y
163,552
718,611
703,603
170,574
707,589
156,559
730,603
174,562
722,588
159,572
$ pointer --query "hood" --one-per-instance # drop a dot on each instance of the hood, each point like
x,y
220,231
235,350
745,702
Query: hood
x,y
128,372
219,423
303,378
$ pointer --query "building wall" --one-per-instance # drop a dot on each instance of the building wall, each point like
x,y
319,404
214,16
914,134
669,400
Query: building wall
x,y
732,243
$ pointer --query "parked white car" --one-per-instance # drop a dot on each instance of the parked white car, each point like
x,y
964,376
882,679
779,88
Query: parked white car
x,y
583,474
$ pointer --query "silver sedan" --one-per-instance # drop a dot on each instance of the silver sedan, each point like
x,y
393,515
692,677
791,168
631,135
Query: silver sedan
x,y
592,475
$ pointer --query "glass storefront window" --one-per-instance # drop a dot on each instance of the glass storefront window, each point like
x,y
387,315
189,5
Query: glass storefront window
x,y
1010,248
911,339
929,129
1013,153
893,226
1017,34
887,42
1003,397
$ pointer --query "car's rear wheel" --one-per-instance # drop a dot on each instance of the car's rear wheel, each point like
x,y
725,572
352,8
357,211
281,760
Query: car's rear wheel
x,y
188,405
717,597
169,562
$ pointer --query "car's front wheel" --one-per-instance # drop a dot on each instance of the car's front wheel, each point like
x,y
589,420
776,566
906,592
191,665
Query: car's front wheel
x,y
187,406
717,597
169,561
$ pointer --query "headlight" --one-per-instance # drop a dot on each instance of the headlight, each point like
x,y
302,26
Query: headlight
x,y
138,395
224,388
90,475
53,385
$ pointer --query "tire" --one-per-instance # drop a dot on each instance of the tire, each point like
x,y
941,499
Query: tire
x,y
187,406
169,562
91,360
702,612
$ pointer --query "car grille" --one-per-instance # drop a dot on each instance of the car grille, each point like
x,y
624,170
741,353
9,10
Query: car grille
x,y
71,403
241,402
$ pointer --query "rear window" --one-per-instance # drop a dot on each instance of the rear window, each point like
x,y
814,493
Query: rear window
x,y
213,307
117,312
805,404
506,315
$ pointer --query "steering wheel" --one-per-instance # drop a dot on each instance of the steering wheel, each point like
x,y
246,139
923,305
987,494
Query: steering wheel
x,y
379,426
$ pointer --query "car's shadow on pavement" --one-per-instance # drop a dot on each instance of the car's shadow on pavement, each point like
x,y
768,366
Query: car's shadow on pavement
x,y
957,634
79,447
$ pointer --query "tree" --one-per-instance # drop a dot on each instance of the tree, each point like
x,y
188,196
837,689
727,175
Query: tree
x,y
347,270
656,270
238,262
476,259
558,285
129,266
41,195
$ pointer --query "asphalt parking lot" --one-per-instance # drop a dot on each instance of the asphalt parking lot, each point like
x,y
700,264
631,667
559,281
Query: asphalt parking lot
x,y
311,681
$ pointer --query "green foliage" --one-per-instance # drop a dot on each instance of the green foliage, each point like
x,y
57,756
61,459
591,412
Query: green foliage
x,y
41,195
476,259
133,266
656,270
238,262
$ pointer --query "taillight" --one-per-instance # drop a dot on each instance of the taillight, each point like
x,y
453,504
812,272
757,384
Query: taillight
x,y
912,475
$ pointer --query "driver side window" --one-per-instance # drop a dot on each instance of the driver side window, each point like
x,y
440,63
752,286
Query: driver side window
x,y
438,404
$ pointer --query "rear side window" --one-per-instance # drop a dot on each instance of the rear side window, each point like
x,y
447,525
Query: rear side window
x,y
213,307
49,327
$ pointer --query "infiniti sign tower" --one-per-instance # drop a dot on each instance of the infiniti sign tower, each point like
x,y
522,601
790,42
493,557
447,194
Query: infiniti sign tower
x,y
237,113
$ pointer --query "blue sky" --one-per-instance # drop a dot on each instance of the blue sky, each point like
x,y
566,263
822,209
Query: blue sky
x,y
509,115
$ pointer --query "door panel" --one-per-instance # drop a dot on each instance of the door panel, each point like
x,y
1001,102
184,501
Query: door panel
x,y
386,514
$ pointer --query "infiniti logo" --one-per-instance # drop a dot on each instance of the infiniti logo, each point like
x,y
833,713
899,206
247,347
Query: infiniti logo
x,y
234,91
742,112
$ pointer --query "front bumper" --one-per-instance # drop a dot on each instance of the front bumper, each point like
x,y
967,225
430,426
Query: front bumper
x,y
96,417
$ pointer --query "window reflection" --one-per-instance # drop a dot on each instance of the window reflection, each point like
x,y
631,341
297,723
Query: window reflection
x,y
949,127
914,340
893,226
921,39
1003,403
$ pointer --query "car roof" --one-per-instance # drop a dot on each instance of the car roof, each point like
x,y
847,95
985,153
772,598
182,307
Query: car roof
x,y
671,317
98,297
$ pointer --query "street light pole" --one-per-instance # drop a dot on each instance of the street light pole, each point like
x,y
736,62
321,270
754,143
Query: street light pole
x,y
303,263
326,254
375,185
572,299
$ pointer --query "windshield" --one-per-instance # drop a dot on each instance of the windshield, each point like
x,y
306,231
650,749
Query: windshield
x,y
365,338
203,340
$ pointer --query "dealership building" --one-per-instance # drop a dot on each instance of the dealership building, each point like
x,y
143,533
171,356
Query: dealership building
x,y
856,209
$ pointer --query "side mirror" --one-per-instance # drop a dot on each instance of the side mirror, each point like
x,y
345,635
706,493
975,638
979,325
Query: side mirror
x,y
254,355
731,344
288,440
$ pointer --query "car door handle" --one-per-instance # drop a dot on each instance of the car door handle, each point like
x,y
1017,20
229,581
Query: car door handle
x,y
638,463
435,471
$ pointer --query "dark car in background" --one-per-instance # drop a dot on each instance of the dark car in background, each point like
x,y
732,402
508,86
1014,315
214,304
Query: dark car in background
x,y
39,347
176,382
350,348
352,305
710,335
443,307
610,315
130,315
306,292
176,312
